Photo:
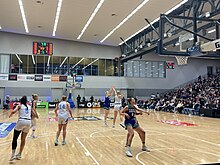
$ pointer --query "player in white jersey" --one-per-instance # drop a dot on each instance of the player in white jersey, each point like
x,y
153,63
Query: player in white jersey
x,y
23,125
34,117
62,111
117,107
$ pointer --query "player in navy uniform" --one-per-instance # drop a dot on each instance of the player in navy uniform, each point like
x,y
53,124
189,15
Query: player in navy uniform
x,y
23,125
34,117
62,111
131,124
107,106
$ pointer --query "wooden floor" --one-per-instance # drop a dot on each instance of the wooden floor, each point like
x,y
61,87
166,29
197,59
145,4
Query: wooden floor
x,y
89,142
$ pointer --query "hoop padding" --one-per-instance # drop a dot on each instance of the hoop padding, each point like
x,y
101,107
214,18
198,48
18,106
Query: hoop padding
x,y
181,60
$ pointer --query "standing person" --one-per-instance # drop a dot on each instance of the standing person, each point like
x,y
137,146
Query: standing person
x,y
117,107
78,100
62,111
131,124
23,125
34,116
6,106
107,106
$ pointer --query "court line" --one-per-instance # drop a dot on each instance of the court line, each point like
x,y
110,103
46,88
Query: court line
x,y
178,149
87,151
215,144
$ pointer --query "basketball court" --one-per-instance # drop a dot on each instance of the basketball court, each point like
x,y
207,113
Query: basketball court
x,y
90,142
96,54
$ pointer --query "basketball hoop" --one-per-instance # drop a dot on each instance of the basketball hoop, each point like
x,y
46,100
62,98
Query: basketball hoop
x,y
181,60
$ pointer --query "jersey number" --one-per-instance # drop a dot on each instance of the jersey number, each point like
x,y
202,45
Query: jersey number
x,y
62,106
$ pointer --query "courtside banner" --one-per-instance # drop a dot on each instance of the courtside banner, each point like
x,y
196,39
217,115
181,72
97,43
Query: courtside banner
x,y
3,76
5,129
29,77
38,78
47,78
55,78
63,78
12,77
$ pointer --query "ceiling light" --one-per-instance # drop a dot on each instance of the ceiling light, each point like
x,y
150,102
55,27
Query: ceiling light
x,y
135,50
63,61
91,18
123,55
211,31
33,59
23,15
77,63
176,44
125,19
191,39
48,61
91,63
157,19
59,5
0,27
18,58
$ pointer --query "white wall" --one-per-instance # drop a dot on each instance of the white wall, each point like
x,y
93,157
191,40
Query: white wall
x,y
22,44
11,43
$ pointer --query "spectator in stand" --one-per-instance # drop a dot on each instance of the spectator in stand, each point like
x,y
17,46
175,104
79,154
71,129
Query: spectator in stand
x,y
78,100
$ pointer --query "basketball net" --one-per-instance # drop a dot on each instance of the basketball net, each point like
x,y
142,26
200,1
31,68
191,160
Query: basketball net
x,y
181,60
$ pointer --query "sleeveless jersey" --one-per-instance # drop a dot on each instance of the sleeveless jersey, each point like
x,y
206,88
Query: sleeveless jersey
x,y
32,104
62,112
131,112
117,100
25,112
107,101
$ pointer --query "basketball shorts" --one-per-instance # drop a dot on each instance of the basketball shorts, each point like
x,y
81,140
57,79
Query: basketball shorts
x,y
131,122
62,120
23,125
118,107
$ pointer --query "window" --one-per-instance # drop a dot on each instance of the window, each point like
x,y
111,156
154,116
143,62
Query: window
x,y
144,69
109,68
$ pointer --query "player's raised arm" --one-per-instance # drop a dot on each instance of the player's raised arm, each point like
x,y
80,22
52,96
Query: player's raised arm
x,y
141,110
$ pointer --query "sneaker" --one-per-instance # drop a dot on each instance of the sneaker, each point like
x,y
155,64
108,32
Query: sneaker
x,y
33,136
63,142
12,158
113,126
122,125
56,142
128,153
106,124
18,156
144,148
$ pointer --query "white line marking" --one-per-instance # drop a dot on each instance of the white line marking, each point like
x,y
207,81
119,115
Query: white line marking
x,y
87,151
139,159
178,149
199,140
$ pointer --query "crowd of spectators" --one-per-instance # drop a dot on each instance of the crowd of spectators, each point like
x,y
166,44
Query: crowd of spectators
x,y
203,93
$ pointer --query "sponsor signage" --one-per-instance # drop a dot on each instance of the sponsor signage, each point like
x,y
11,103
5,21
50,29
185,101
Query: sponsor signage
x,y
12,77
6,128
55,78
38,77
47,78
79,79
3,77
30,78
63,78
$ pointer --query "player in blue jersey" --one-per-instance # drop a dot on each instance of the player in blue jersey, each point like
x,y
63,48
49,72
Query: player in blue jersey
x,y
107,106
131,124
